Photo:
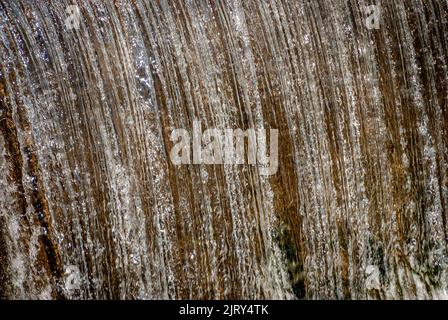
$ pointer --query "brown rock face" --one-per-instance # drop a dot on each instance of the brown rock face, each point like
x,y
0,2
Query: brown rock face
x,y
93,206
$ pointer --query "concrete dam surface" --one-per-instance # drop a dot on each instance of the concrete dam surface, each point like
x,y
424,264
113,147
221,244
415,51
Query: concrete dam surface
x,y
223,149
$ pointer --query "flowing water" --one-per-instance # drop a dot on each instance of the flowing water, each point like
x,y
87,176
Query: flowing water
x,y
91,206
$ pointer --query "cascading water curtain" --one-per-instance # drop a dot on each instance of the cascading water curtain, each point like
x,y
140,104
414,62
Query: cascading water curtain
x,y
219,149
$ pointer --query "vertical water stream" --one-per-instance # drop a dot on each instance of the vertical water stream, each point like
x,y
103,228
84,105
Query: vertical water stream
x,y
357,208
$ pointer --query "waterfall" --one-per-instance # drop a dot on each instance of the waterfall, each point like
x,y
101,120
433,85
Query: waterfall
x,y
93,207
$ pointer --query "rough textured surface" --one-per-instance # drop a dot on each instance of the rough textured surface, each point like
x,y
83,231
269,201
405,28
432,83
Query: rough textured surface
x,y
358,208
